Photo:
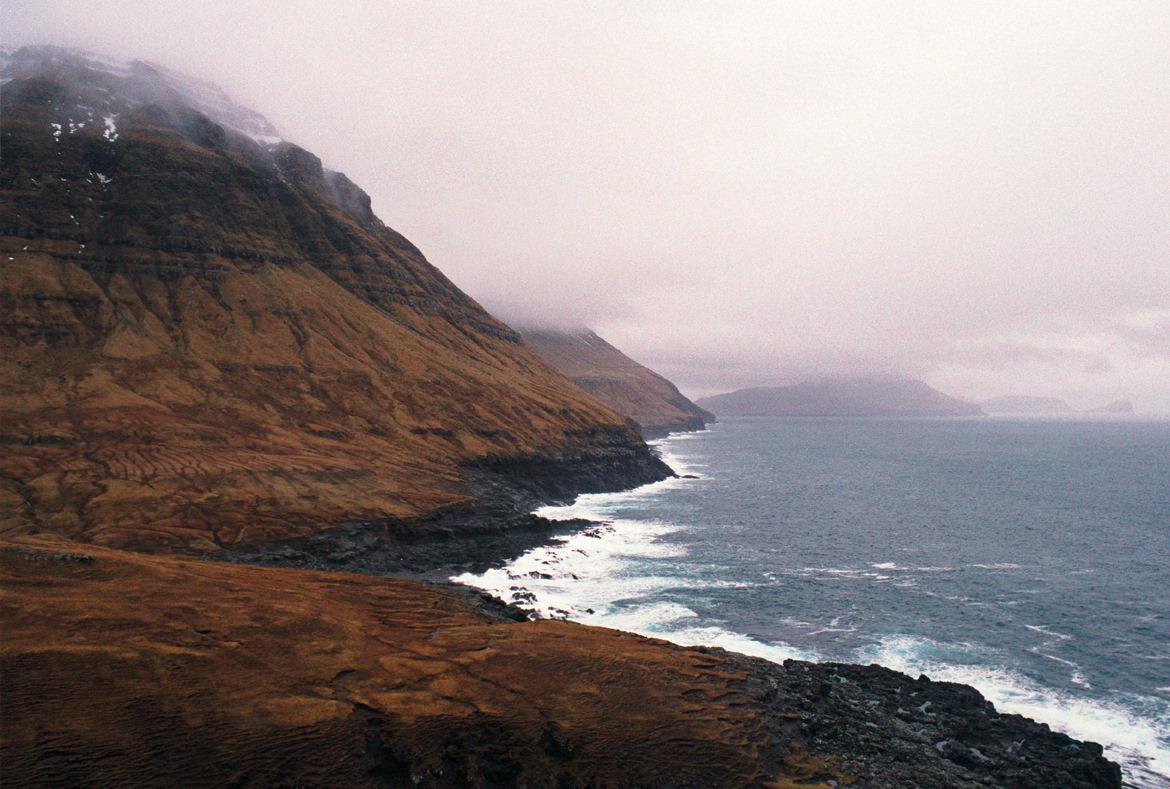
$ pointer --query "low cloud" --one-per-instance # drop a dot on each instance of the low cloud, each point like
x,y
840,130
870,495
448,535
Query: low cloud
x,y
972,193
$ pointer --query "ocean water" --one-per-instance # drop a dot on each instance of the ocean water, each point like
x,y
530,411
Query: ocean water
x,y
1028,558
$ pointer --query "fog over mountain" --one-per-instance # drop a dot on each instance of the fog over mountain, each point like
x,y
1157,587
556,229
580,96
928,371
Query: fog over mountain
x,y
970,194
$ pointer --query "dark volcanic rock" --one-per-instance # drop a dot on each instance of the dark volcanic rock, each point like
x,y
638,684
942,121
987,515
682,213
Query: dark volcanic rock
x,y
495,527
894,731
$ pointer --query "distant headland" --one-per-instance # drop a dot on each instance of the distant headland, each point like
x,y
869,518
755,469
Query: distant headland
x,y
881,396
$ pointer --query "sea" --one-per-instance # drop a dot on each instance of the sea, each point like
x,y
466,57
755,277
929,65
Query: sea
x,y
1025,557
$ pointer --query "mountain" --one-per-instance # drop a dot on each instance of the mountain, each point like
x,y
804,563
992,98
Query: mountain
x,y
1020,404
207,339
882,396
653,403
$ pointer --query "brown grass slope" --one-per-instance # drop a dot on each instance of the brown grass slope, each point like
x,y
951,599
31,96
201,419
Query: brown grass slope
x,y
654,404
163,671
206,343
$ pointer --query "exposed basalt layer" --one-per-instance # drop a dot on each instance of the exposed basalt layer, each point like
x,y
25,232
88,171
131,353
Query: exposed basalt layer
x,y
207,342
433,548
164,671
495,527
893,731
654,404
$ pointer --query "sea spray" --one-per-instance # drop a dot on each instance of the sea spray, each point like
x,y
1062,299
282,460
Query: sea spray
x,y
977,552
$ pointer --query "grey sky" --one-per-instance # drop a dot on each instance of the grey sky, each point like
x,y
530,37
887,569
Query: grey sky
x,y
740,193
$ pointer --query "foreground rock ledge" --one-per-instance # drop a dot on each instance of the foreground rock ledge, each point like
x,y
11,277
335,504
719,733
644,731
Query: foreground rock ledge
x,y
127,669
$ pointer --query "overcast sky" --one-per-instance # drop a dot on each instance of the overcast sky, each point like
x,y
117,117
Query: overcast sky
x,y
735,194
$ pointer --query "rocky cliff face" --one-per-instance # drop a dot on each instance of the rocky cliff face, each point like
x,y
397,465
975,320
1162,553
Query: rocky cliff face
x,y
653,403
207,339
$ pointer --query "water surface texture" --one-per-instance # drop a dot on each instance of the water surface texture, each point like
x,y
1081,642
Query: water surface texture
x,y
1025,557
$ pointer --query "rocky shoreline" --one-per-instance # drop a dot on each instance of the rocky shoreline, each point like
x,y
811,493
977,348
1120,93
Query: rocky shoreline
x,y
893,731
212,674
884,728
487,532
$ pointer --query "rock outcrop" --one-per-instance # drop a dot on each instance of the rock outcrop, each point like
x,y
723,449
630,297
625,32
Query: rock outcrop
x,y
877,397
654,404
207,339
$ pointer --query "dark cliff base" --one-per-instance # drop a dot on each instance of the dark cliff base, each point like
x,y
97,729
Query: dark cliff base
x,y
893,731
457,540
652,431
496,527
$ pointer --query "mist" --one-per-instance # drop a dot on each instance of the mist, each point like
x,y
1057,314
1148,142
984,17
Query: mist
x,y
974,194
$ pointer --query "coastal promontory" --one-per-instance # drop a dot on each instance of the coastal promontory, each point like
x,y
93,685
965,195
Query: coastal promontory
x,y
166,671
653,403
878,396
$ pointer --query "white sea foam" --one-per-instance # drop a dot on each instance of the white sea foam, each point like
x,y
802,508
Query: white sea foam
x,y
1047,632
1076,674
583,576
733,642
1137,741
625,575
605,506
849,573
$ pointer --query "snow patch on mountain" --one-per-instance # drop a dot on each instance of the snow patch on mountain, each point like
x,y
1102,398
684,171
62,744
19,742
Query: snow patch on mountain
x,y
110,87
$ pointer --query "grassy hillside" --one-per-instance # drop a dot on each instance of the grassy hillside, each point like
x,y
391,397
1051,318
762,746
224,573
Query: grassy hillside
x,y
653,403
207,342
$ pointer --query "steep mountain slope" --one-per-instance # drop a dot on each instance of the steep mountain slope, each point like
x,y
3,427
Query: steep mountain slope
x,y
207,339
654,404
853,397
